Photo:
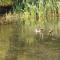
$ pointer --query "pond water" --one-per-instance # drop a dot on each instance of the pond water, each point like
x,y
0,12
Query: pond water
x,y
17,44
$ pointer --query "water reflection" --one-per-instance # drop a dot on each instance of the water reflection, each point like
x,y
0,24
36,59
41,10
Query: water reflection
x,y
14,45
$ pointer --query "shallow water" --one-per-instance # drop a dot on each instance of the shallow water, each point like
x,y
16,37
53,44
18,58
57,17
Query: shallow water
x,y
14,46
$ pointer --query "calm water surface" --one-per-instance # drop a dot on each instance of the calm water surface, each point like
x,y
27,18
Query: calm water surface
x,y
14,47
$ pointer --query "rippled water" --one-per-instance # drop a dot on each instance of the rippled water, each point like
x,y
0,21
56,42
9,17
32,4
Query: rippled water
x,y
15,44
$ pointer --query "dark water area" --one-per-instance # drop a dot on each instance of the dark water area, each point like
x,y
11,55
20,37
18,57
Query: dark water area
x,y
15,44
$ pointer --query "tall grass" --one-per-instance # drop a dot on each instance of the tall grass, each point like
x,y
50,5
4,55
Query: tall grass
x,y
37,14
45,17
5,2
